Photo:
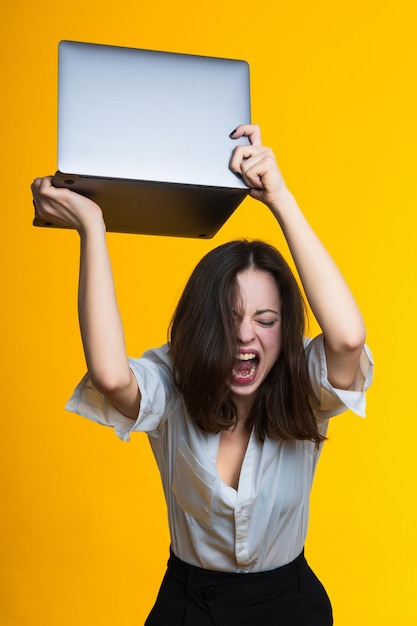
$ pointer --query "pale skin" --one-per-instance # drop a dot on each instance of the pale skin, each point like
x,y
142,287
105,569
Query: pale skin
x,y
101,328
258,330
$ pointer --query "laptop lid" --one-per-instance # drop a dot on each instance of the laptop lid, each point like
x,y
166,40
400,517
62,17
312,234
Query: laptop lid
x,y
146,135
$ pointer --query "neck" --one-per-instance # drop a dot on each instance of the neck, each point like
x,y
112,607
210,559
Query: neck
x,y
243,407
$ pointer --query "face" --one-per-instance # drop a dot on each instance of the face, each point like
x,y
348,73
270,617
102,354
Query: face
x,y
258,328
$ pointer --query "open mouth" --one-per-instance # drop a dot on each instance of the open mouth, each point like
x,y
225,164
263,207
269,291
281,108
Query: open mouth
x,y
245,367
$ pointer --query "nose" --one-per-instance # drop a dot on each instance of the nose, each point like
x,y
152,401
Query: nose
x,y
245,332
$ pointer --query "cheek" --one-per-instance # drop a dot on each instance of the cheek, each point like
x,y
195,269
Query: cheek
x,y
274,343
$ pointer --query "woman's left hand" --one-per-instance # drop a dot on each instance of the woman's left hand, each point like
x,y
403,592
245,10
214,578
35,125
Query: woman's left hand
x,y
257,166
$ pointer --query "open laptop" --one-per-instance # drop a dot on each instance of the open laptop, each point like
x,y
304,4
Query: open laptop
x,y
145,134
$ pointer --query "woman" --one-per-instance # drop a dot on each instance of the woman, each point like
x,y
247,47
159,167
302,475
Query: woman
x,y
236,406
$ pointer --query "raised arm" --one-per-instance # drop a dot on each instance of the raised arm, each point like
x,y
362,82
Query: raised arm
x,y
100,323
328,294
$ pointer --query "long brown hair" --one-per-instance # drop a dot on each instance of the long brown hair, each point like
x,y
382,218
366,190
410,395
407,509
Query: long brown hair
x,y
203,346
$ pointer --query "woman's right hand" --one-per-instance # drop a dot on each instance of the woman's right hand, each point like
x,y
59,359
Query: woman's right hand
x,y
64,207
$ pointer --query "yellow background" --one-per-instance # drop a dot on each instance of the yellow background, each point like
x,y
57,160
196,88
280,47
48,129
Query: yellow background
x,y
83,533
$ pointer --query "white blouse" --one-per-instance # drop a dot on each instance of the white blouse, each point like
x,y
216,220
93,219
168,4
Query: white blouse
x,y
263,524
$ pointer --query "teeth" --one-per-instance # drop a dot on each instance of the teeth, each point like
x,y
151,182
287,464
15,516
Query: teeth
x,y
247,356
243,375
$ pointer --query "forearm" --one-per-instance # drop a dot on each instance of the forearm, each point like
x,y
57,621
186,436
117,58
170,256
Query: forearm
x,y
327,292
100,323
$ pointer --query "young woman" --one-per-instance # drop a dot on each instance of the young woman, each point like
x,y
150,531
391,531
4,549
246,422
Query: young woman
x,y
236,406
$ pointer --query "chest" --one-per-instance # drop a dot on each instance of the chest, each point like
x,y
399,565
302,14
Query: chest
x,y
270,482
231,453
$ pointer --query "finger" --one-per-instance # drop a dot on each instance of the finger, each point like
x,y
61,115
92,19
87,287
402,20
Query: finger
x,y
35,185
37,202
242,154
45,186
246,158
252,176
252,131
260,170
42,180
46,181
39,185
35,193
41,199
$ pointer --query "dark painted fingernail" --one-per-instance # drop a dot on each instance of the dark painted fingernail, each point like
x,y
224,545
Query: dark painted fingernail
x,y
233,132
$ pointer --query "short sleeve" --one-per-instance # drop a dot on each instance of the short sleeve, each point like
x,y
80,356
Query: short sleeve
x,y
329,400
155,381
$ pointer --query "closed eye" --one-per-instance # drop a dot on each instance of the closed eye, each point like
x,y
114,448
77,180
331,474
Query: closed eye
x,y
267,323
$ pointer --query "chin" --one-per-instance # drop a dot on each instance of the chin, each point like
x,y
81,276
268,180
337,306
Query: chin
x,y
241,392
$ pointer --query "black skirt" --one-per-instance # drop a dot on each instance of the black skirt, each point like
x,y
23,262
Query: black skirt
x,y
290,595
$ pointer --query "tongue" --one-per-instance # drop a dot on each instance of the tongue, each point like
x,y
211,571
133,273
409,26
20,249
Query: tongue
x,y
243,366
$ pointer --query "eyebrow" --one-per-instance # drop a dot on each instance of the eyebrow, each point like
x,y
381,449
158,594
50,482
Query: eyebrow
x,y
262,311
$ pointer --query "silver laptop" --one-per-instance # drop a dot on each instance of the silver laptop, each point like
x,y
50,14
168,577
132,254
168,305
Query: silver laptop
x,y
145,134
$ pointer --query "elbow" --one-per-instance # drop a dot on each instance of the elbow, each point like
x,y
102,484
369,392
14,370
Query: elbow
x,y
110,383
344,357
349,342
353,338
355,341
